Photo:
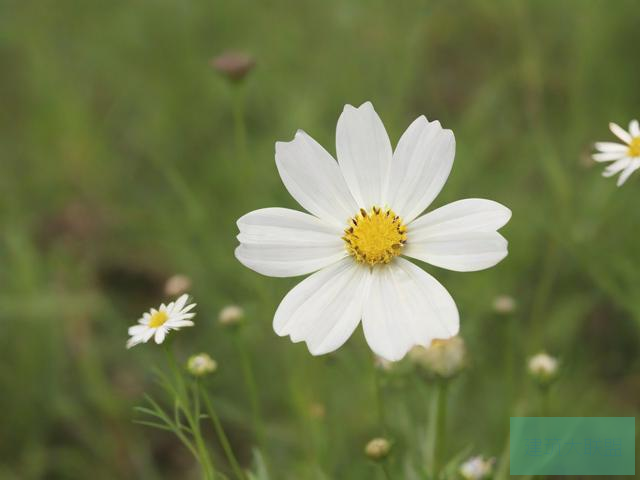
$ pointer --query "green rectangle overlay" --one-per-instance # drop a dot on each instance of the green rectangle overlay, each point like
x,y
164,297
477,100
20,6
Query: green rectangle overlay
x,y
572,445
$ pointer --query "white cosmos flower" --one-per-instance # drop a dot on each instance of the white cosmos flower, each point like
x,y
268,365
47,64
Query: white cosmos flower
x,y
363,219
157,323
625,156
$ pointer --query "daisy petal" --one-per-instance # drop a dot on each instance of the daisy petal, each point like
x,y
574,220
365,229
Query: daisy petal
x,y
620,132
181,302
421,165
460,236
608,156
364,153
406,306
324,309
611,147
137,329
314,179
627,172
160,334
634,128
616,167
279,242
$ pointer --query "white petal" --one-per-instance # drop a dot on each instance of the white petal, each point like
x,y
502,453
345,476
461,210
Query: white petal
x,y
464,252
137,329
627,172
611,147
608,156
314,179
406,307
421,165
364,153
147,335
324,309
160,334
181,302
460,236
176,324
620,132
634,128
279,242
616,167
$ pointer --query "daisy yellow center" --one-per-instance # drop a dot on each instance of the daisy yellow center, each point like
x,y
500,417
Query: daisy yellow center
x,y
158,319
634,147
375,236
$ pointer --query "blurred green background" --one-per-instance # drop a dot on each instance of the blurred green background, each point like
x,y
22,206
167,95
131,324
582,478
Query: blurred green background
x,y
120,168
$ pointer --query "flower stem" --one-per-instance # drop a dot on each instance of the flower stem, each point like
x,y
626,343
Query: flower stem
x,y
222,436
379,399
386,471
252,390
183,404
440,417
239,122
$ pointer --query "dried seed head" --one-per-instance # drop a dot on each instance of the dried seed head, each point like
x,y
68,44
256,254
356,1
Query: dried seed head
x,y
377,449
543,368
201,364
504,304
442,359
233,65
176,285
477,468
231,315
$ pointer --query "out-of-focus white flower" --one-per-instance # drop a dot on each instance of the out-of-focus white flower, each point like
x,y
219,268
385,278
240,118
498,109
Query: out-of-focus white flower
x,y
364,218
625,156
177,285
231,315
157,323
543,367
377,449
443,358
477,468
504,304
201,364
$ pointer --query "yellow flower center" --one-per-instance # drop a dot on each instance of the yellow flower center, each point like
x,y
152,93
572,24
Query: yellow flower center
x,y
634,147
158,319
375,236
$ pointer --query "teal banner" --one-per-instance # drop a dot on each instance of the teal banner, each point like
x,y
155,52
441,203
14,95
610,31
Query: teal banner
x,y
572,445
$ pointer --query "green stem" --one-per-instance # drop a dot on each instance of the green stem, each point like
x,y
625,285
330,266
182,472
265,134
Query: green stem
x,y
252,390
385,470
239,122
379,399
439,444
203,456
222,436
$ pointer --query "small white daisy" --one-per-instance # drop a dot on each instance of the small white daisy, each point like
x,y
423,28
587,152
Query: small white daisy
x,y
625,157
157,323
364,217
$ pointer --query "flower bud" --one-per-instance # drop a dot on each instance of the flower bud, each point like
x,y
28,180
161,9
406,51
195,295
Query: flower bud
x,y
234,65
442,359
477,468
176,285
231,315
377,449
504,304
201,364
543,368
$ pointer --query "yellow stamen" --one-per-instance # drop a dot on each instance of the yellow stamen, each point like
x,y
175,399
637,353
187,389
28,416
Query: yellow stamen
x,y
634,147
375,236
158,319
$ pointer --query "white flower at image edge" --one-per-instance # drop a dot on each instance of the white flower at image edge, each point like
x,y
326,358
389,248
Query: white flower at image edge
x,y
157,323
625,156
363,220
